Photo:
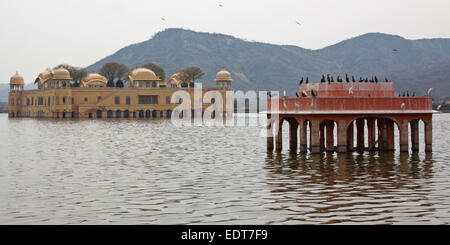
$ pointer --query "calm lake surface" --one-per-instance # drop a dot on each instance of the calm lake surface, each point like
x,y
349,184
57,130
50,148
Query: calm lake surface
x,y
151,172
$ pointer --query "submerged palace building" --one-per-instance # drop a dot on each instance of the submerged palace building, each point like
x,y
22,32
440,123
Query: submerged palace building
x,y
143,98
324,112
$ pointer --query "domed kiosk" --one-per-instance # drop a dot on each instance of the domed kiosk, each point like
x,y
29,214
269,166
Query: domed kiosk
x,y
94,80
143,78
16,82
223,79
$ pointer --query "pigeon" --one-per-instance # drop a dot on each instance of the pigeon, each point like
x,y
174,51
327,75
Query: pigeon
x,y
301,81
429,91
403,106
307,80
346,78
353,79
350,90
296,94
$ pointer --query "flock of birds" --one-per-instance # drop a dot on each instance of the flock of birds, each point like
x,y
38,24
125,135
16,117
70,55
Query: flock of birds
x,y
330,79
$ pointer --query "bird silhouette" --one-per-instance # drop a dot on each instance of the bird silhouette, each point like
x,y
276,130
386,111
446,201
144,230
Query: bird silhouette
x,y
298,23
328,78
307,80
163,19
360,80
386,80
301,81
353,79
404,94
367,80
296,94
395,50
323,79
269,94
376,79
332,79
407,93
313,93
414,94
346,78
220,5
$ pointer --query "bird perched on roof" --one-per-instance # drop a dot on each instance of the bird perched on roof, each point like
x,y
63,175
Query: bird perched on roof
x,y
284,93
269,94
304,94
307,80
301,81
376,79
350,90
414,94
386,80
360,80
407,93
402,106
296,94
328,78
404,94
313,92
367,80
323,79
332,79
429,91
346,78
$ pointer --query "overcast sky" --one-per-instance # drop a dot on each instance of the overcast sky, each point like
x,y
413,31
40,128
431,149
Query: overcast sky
x,y
40,34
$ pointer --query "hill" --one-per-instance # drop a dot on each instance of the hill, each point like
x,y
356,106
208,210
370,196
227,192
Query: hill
x,y
412,64
277,67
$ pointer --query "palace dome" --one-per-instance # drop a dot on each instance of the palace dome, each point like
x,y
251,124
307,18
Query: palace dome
x,y
17,79
61,74
44,76
143,74
94,79
223,75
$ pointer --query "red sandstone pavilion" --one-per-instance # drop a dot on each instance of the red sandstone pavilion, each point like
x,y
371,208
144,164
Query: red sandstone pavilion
x,y
323,106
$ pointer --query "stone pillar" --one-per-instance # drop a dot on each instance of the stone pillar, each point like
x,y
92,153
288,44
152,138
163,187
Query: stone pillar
x,y
415,135
293,141
350,137
384,136
360,135
342,136
330,136
390,135
380,136
371,133
404,136
315,136
279,140
322,136
303,136
428,136
269,135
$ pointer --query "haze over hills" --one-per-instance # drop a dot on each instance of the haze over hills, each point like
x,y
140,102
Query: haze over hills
x,y
415,65
264,66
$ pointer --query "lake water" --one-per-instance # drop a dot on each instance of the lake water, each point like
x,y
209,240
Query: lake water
x,y
150,172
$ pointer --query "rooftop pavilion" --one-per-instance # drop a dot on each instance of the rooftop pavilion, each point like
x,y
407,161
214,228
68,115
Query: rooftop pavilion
x,y
364,109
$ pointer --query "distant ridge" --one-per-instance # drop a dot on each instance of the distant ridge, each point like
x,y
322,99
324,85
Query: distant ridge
x,y
263,66
416,65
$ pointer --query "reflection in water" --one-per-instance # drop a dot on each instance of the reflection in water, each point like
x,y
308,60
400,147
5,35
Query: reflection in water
x,y
150,172
347,188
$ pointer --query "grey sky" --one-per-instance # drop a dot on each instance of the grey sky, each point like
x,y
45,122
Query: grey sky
x,y
44,33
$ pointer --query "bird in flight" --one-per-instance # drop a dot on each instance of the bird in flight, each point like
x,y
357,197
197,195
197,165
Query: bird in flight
x,y
298,23
163,19
220,5
395,50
